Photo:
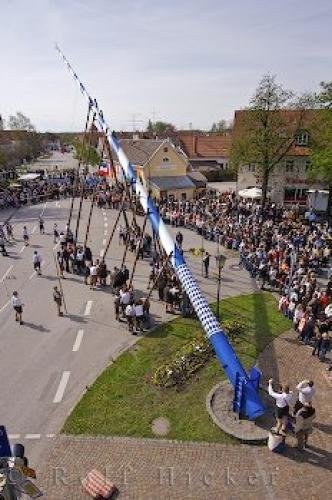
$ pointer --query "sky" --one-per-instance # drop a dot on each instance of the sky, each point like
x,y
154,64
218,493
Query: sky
x,y
189,62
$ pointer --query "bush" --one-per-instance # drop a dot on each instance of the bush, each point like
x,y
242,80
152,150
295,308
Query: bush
x,y
190,358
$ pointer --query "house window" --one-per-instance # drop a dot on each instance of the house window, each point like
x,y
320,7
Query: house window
x,y
183,196
289,166
165,159
307,165
302,138
165,149
251,167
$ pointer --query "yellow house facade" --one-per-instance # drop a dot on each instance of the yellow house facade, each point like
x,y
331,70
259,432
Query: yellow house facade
x,y
161,167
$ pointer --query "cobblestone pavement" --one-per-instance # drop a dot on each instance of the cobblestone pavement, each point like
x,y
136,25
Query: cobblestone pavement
x,y
161,469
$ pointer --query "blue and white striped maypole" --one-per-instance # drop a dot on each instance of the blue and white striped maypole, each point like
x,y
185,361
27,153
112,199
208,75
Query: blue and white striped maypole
x,y
251,404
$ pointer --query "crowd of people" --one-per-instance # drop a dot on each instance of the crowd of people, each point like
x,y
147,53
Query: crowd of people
x,y
284,252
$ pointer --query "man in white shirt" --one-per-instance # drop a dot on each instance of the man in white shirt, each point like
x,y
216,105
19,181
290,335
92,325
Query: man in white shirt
x,y
139,315
130,315
18,307
124,299
93,276
306,394
283,400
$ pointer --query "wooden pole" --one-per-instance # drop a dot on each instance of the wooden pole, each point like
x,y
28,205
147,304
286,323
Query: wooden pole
x,y
89,219
163,267
114,228
138,248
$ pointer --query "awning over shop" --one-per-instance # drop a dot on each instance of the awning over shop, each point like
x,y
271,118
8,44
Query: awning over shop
x,y
172,182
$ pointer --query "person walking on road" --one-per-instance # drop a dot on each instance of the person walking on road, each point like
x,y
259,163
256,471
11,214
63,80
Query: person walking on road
x,y
206,262
55,233
2,246
36,259
41,225
57,297
18,307
9,230
25,236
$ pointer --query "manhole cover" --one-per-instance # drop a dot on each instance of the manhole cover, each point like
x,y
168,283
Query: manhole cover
x,y
160,426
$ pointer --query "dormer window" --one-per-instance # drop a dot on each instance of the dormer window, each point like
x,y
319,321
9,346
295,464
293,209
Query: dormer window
x,y
302,138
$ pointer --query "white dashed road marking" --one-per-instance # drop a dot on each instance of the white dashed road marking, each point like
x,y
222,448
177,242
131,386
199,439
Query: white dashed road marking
x,y
32,436
105,224
6,274
62,387
101,253
33,229
4,306
32,275
88,307
104,241
22,249
105,232
78,340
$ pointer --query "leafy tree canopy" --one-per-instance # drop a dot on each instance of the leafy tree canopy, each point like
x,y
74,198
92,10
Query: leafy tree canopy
x,y
20,122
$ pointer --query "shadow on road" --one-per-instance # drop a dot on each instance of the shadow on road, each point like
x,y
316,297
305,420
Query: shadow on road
x,y
33,326
76,318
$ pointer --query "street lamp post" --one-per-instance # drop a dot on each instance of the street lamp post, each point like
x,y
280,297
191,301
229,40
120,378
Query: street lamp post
x,y
220,260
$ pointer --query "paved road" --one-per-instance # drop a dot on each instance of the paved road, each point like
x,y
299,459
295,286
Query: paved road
x,y
47,363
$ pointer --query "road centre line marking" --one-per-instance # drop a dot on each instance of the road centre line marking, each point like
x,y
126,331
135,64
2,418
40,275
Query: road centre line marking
x,y
6,273
14,436
32,436
101,253
105,224
22,249
62,387
32,275
88,307
33,229
105,232
78,340
104,241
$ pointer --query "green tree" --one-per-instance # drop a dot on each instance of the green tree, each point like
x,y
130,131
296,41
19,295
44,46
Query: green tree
x,y
160,128
20,122
86,154
321,145
265,132
219,127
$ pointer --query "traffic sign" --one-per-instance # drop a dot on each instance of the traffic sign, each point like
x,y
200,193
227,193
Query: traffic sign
x,y
5,450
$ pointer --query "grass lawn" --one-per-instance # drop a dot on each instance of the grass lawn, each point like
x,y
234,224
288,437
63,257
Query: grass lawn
x,y
123,401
